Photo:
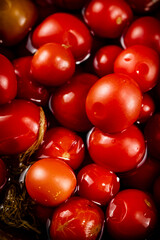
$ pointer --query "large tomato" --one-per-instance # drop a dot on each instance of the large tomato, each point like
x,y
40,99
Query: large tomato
x,y
114,103
50,181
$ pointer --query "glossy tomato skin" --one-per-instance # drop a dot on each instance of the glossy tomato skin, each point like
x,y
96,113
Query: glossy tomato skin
x,y
147,109
114,103
118,152
52,64
103,62
17,18
19,126
151,133
3,174
143,6
142,177
8,81
131,215
144,31
65,29
141,63
97,184
50,181
63,144
107,18
68,102
27,88
78,219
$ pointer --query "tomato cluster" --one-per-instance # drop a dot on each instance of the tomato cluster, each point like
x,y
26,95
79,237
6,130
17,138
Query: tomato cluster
x,y
80,119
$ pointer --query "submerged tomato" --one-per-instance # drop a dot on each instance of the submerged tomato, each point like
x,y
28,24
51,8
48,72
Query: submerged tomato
x,y
52,64
78,219
19,126
63,144
50,181
118,152
8,81
17,17
65,29
131,215
114,103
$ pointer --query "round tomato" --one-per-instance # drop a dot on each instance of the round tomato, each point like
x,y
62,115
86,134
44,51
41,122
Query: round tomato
x,y
8,81
143,6
145,31
107,18
114,103
131,215
68,102
52,64
65,29
141,63
19,126
78,219
97,184
118,152
50,181
17,17
27,88
63,144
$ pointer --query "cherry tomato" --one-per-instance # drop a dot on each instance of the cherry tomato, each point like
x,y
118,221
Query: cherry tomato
x,y
17,17
152,135
142,177
8,81
65,29
145,31
43,213
147,109
104,58
143,6
141,63
3,174
131,215
114,103
97,184
27,88
118,152
68,102
19,126
50,181
63,144
70,4
78,219
107,18
52,65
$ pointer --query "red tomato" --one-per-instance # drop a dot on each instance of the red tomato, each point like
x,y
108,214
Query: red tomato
x,y
118,152
107,18
3,174
43,213
63,144
17,17
78,219
50,181
27,88
114,103
145,31
104,58
147,109
68,102
71,4
97,184
141,63
8,81
142,177
52,65
143,6
131,215
152,135
65,29
19,126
